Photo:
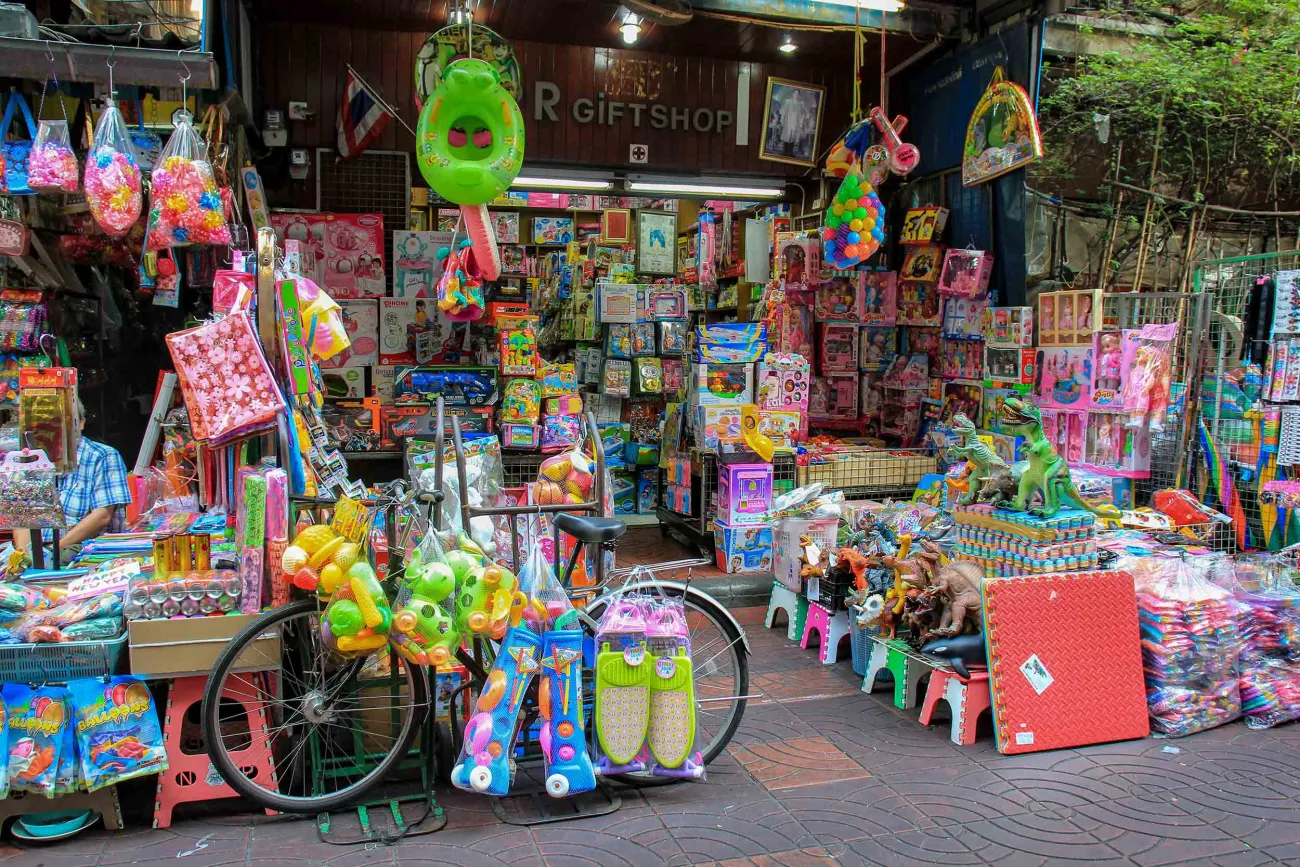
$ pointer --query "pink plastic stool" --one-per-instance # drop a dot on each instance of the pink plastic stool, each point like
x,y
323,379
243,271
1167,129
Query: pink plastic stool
x,y
832,629
966,698
190,775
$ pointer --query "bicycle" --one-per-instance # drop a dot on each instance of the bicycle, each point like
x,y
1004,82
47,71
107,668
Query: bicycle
x,y
326,717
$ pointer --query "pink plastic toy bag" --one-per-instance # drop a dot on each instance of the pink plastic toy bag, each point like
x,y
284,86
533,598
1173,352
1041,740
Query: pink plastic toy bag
x,y
53,166
185,205
112,176
225,379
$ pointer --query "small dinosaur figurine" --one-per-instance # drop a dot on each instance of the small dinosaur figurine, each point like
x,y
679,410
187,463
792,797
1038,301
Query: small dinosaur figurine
x,y
1046,472
1000,486
959,583
982,459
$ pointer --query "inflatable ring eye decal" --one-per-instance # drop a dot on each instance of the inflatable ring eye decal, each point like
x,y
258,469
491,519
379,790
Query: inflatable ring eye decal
x,y
470,136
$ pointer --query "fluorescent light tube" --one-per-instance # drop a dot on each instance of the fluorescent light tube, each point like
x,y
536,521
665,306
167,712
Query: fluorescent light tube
x,y
705,189
562,183
878,5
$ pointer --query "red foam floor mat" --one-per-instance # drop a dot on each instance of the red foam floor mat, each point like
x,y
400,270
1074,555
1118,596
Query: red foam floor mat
x,y
1065,662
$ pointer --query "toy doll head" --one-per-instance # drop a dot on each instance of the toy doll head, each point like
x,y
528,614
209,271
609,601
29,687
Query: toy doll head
x,y
1109,342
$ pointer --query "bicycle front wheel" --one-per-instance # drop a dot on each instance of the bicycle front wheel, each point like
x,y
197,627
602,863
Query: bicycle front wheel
x,y
336,728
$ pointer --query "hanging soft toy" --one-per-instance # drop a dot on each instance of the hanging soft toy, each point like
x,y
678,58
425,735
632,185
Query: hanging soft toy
x,y
470,148
460,289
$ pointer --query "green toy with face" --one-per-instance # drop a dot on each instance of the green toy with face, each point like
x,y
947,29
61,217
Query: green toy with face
x,y
470,136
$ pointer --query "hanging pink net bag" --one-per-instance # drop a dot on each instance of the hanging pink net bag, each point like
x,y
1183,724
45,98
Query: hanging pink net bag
x,y
52,167
185,205
112,177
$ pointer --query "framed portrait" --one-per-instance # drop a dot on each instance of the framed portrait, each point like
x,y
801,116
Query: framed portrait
x,y
656,243
792,115
616,226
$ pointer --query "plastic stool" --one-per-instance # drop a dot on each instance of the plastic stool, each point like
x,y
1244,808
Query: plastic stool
x,y
832,628
966,698
876,665
783,599
795,631
190,776
903,663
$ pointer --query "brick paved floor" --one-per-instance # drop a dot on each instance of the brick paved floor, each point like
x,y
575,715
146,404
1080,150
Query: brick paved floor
x,y
821,774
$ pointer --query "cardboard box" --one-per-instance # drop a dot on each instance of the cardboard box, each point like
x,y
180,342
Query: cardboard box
x,y
624,493
740,550
722,384
647,490
744,493
190,646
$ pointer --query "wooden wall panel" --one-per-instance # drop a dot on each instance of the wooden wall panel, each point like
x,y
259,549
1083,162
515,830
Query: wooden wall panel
x,y
307,62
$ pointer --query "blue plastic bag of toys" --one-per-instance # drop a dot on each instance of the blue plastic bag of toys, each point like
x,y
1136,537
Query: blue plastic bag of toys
x,y
67,779
37,719
118,736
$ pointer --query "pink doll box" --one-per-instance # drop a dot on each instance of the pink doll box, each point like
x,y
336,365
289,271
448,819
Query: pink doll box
x,y
1067,431
790,329
1114,449
839,348
1064,377
1009,326
1109,370
783,382
799,261
568,404
717,426
834,398
521,436
723,384
1009,364
965,273
839,299
879,297
744,493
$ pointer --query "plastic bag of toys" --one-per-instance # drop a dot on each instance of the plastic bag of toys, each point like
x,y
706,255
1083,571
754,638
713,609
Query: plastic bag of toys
x,y
424,630
358,618
485,484
185,205
118,736
53,166
112,177
1268,624
1190,646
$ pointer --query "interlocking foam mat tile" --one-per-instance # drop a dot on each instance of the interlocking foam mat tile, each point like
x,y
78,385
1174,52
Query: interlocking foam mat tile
x,y
1065,663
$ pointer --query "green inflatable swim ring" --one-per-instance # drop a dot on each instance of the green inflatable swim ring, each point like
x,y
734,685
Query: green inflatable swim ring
x,y
470,136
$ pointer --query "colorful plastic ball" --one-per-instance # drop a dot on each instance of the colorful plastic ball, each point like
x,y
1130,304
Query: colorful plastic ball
x,y
837,209
851,203
855,224
853,237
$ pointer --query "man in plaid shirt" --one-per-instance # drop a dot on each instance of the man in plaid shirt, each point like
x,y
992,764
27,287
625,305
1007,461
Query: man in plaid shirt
x,y
94,496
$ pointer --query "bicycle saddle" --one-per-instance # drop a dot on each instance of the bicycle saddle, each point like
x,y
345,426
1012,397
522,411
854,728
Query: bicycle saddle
x,y
589,529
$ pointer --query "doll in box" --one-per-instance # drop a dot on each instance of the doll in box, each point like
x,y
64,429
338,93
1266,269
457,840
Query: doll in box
x,y
837,298
879,297
1108,382
1046,320
879,348
965,273
918,303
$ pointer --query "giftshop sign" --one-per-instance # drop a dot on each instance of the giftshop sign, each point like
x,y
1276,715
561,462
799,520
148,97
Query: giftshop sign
x,y
551,104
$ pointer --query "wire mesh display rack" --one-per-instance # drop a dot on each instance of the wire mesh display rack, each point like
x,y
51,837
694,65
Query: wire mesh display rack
x,y
864,472
1234,455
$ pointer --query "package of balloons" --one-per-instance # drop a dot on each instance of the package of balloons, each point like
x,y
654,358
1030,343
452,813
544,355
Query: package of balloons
x,y
1190,646
52,167
117,732
1268,620
37,717
112,178
185,206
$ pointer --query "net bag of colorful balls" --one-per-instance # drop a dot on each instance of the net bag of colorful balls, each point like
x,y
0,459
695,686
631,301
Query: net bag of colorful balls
x,y
52,167
112,178
854,223
185,206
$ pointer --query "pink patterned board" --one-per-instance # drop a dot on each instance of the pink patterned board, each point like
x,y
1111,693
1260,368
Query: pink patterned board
x,y
1065,660
225,379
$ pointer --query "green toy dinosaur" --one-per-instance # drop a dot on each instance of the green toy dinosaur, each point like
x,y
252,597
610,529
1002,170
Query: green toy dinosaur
x,y
983,460
1046,473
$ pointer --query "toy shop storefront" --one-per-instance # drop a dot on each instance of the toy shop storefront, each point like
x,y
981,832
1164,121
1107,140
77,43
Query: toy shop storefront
x,y
472,346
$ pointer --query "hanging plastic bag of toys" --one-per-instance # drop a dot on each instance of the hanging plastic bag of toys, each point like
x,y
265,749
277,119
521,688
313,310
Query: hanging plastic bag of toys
x,y
184,204
112,178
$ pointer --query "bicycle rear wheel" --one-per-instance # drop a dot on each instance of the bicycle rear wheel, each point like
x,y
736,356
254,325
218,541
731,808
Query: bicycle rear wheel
x,y
721,669
335,733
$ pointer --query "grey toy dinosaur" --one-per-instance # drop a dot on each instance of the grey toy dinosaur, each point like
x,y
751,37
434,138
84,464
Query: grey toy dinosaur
x,y
983,460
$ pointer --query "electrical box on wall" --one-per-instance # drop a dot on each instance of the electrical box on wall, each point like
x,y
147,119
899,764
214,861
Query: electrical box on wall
x,y
299,162
273,133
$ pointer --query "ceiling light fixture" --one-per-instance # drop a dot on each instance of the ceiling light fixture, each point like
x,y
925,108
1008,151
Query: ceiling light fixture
x,y
630,28
721,189
787,45
562,183
878,5
460,13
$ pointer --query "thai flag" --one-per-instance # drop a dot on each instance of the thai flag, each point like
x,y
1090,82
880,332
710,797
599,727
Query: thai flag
x,y
362,118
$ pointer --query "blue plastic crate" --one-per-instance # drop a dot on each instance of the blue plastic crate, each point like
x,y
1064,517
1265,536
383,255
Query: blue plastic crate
x,y
59,663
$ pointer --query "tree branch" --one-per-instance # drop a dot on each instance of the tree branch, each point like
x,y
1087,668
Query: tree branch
x,y
1219,208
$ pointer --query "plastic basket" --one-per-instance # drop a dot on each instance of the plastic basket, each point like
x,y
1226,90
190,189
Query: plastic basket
x,y
59,663
860,639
